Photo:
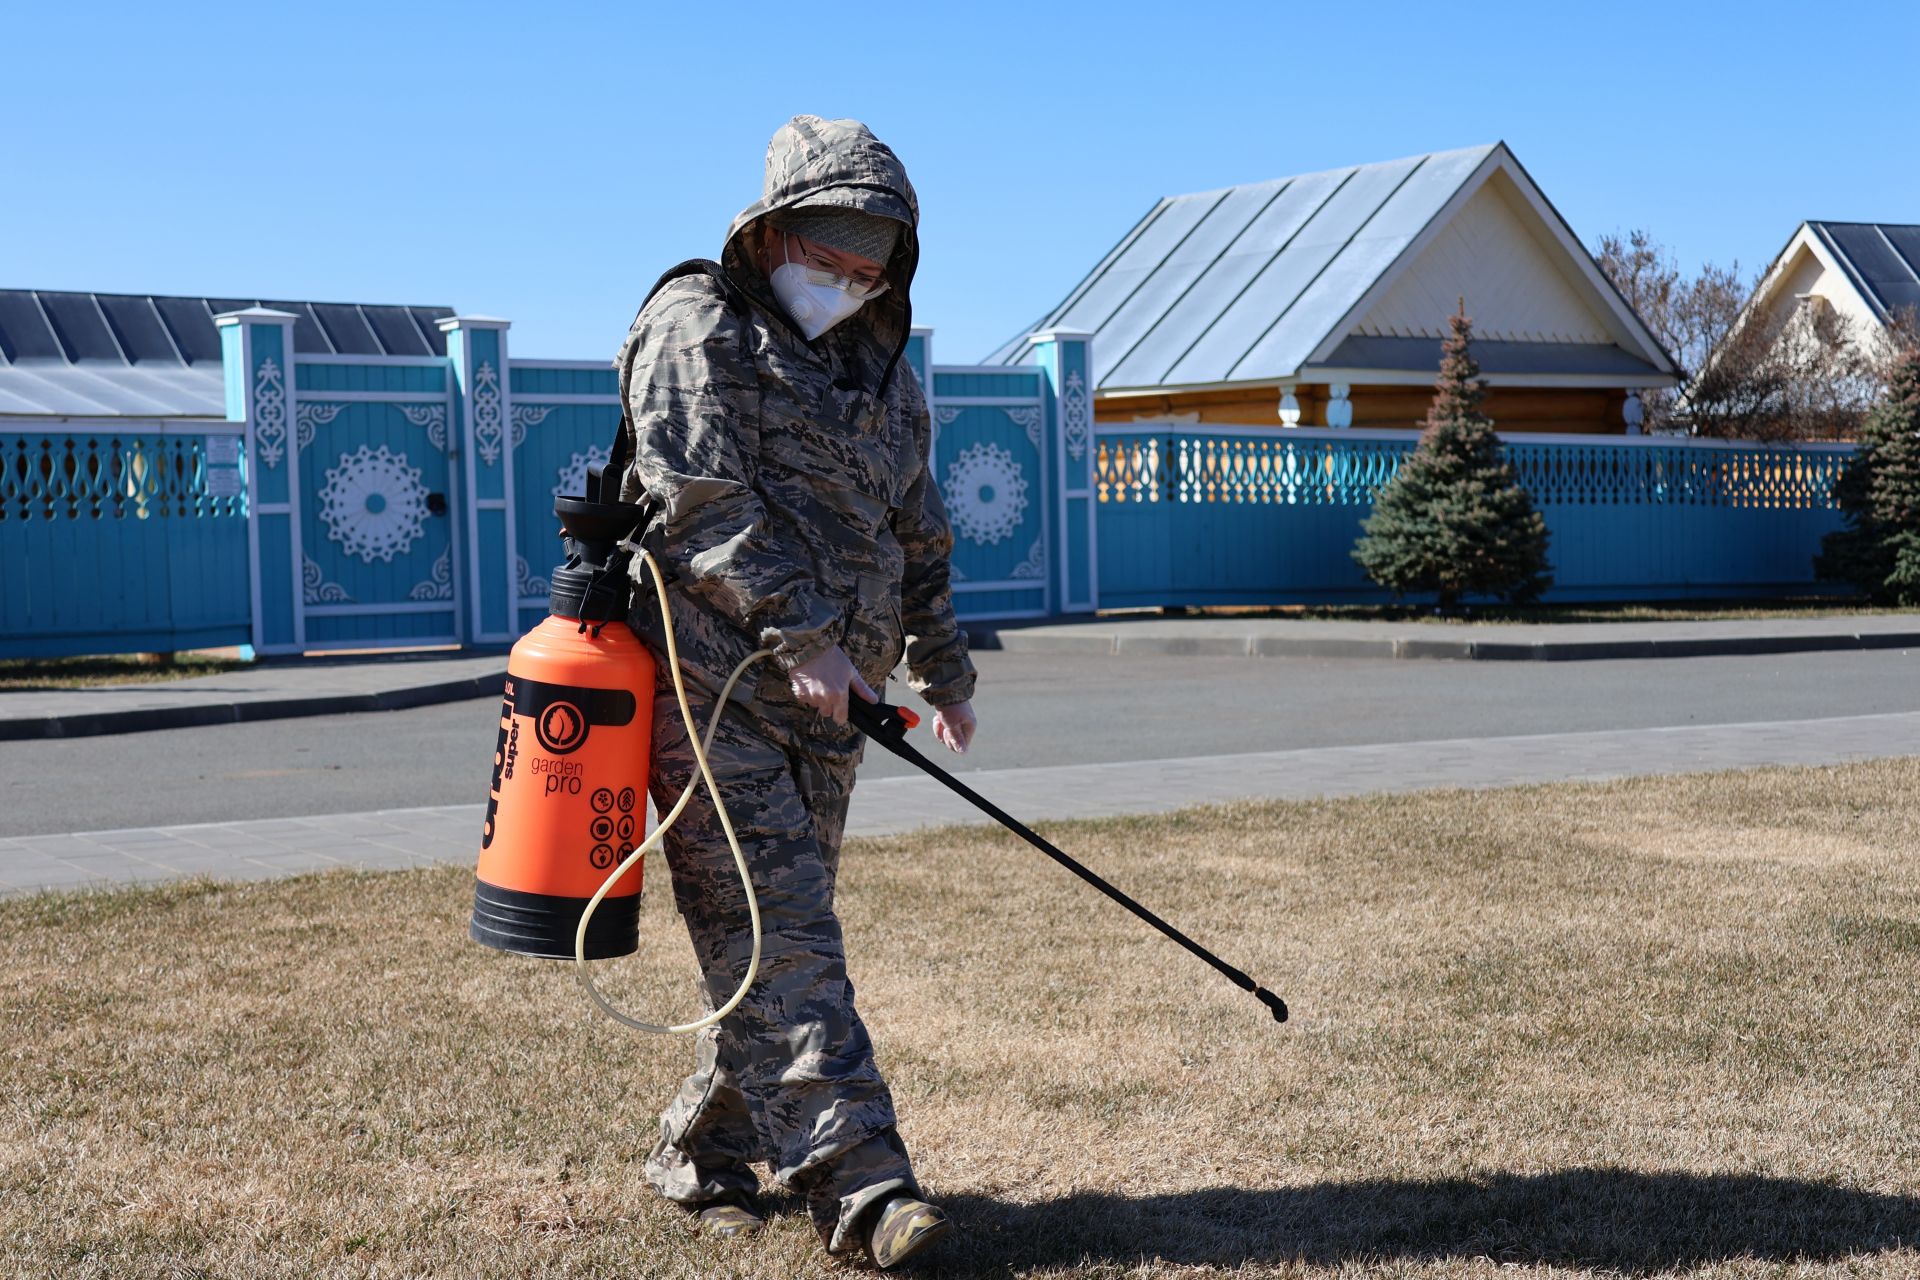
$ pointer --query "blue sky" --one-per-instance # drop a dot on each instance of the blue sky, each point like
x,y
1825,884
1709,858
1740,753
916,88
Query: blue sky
x,y
546,163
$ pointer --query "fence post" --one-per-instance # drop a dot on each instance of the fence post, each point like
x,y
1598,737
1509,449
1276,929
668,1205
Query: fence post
x,y
1064,357
256,357
920,356
477,346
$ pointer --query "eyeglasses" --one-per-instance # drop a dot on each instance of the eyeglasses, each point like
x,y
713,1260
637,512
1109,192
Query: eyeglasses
x,y
820,270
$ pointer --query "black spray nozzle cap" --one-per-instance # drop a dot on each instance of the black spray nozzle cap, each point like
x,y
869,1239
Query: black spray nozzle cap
x,y
596,522
592,584
597,516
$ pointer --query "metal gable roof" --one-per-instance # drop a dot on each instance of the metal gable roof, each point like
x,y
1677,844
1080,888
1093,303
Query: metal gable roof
x,y
1882,259
140,355
1257,283
1245,283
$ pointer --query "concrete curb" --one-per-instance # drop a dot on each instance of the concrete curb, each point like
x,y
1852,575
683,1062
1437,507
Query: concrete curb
x,y
90,724
1114,644
1091,640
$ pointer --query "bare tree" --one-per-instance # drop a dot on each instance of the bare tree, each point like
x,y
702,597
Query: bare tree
x,y
1744,377
1690,317
1804,378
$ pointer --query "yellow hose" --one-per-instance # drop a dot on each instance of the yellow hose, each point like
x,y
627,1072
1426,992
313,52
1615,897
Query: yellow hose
x,y
652,842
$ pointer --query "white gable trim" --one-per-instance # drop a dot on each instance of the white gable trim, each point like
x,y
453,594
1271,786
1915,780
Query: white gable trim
x,y
1766,303
1639,340
1765,297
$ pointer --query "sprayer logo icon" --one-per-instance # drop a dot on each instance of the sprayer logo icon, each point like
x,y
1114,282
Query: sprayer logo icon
x,y
561,728
564,714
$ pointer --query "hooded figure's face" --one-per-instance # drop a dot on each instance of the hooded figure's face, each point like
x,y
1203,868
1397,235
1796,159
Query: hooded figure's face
x,y
818,285
778,247
836,166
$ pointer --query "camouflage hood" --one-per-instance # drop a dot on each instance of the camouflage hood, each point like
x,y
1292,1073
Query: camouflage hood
x,y
837,164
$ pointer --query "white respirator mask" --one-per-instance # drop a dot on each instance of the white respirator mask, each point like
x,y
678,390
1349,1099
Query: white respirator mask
x,y
817,300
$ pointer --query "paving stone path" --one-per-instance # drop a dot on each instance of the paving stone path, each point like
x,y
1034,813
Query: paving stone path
x,y
416,837
286,688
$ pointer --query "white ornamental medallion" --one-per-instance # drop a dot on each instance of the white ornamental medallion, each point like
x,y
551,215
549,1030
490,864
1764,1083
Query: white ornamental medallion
x,y
986,493
373,504
573,476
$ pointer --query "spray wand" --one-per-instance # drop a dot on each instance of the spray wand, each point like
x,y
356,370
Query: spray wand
x,y
888,724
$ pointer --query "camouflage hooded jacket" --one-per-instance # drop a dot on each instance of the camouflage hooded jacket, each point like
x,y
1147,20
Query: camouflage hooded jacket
x,y
793,504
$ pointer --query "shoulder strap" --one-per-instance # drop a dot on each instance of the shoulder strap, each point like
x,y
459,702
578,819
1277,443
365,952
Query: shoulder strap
x,y
622,451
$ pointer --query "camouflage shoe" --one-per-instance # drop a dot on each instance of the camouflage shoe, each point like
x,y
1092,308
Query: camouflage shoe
x,y
901,1228
729,1218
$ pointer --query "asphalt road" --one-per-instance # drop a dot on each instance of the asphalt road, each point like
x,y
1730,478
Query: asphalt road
x,y
1034,709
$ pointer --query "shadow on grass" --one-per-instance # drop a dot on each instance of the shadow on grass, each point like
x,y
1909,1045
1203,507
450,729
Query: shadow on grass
x,y
1612,1219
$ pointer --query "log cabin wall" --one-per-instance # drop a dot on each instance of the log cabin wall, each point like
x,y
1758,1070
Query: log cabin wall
x,y
1569,410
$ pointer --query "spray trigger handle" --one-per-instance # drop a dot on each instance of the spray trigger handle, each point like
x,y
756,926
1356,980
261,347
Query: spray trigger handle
x,y
880,720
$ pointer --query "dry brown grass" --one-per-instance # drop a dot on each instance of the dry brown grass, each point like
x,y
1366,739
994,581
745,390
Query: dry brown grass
x,y
1661,1027
30,674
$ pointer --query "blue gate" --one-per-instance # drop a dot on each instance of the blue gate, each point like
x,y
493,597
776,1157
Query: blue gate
x,y
989,465
376,490
1012,458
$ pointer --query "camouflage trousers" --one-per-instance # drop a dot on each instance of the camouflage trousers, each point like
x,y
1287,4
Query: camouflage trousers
x,y
788,1077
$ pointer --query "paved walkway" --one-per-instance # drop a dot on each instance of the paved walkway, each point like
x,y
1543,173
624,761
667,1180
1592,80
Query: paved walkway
x,y
1559,641
416,837
329,686
272,690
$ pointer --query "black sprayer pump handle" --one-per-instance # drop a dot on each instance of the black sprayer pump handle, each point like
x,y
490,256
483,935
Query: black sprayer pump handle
x,y
888,724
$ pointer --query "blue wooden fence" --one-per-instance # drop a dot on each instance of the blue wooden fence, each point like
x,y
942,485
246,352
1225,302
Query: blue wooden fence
x,y
121,541
367,501
563,418
1221,515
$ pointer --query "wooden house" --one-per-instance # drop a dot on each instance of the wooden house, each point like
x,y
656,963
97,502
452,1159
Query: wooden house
x,y
1866,273
1321,300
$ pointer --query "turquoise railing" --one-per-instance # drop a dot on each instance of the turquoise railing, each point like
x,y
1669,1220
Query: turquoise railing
x,y
121,542
161,537
1196,515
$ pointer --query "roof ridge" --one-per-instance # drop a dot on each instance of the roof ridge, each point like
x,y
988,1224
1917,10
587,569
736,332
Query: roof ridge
x,y
1857,222
1419,158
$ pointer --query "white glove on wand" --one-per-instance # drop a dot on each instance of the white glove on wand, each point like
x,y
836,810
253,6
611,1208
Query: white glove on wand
x,y
825,681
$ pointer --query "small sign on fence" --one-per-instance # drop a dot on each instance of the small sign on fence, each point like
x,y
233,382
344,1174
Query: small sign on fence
x,y
223,466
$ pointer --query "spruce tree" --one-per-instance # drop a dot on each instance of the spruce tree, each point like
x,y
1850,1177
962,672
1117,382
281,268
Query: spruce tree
x,y
1879,495
1453,520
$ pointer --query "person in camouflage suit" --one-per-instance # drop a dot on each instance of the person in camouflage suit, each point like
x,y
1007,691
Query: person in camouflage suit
x,y
793,508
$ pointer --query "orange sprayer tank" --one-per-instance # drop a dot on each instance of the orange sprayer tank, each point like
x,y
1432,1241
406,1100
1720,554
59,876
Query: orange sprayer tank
x,y
569,794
